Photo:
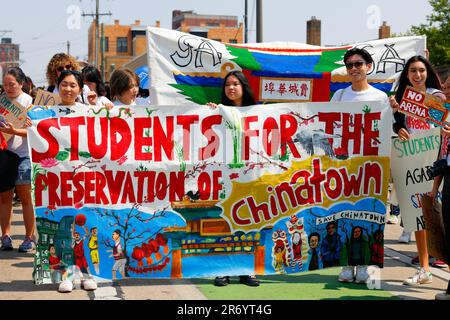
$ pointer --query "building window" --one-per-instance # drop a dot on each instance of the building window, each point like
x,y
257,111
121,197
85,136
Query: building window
x,y
219,40
122,44
106,44
233,41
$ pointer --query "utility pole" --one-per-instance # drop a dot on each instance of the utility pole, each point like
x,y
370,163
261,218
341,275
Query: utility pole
x,y
96,15
246,22
259,21
68,47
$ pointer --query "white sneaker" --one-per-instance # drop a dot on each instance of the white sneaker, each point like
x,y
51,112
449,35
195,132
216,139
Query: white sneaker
x,y
361,274
405,237
420,277
88,284
65,286
442,296
347,274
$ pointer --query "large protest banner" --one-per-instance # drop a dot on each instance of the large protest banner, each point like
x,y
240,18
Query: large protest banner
x,y
196,192
186,68
410,160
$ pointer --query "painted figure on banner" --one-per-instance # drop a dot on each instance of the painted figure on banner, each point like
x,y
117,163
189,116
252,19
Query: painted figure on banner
x,y
299,245
93,247
281,252
118,254
315,256
331,246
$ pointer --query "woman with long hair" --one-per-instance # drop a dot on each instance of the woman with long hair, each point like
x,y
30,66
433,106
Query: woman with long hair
x,y
13,81
236,92
98,93
419,74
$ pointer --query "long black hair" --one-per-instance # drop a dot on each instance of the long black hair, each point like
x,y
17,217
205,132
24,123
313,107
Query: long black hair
x,y
432,80
78,78
248,98
91,74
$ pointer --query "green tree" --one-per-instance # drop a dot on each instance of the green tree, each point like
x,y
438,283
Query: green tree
x,y
437,31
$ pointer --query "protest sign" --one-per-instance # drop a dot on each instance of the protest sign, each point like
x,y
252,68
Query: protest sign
x,y
195,192
425,107
410,160
12,112
185,68
45,98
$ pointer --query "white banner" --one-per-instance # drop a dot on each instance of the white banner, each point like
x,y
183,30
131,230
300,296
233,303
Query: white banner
x,y
409,162
185,68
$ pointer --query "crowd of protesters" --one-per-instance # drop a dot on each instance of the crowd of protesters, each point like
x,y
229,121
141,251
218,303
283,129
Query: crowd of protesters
x,y
78,86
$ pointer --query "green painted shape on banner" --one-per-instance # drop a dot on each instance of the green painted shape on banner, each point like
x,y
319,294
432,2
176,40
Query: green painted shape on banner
x,y
62,155
200,95
244,58
329,60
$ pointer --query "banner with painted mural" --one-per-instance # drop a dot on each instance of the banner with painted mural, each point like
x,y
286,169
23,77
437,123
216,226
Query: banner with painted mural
x,y
409,162
186,68
197,192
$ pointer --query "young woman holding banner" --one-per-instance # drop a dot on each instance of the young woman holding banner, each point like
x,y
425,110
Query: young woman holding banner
x,y
70,85
419,74
236,92
13,81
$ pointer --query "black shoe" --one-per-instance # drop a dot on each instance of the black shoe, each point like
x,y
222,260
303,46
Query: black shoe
x,y
221,281
249,280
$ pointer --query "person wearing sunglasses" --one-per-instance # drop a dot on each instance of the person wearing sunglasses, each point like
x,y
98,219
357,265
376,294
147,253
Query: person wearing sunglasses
x,y
63,62
358,63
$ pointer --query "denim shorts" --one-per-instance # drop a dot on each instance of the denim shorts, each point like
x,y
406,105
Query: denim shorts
x,y
24,171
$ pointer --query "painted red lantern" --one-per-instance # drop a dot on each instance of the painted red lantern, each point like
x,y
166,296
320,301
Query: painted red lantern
x,y
80,219
154,245
138,254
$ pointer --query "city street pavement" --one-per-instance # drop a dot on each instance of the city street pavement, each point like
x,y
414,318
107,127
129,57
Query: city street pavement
x,y
16,280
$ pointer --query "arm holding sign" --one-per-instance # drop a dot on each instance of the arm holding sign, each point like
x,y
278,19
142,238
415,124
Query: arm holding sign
x,y
8,128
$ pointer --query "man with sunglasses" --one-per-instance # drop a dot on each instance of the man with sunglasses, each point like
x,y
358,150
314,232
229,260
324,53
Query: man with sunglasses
x,y
358,63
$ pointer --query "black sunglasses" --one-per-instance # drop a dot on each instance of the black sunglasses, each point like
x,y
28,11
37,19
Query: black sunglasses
x,y
357,64
66,67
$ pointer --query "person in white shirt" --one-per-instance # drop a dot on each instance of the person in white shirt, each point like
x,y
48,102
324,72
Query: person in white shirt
x,y
13,81
70,84
358,63
57,64
125,88
98,93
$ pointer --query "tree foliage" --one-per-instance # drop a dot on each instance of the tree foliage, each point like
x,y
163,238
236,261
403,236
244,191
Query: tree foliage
x,y
437,30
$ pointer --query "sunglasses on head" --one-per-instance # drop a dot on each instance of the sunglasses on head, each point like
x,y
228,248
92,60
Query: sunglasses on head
x,y
357,64
64,72
66,67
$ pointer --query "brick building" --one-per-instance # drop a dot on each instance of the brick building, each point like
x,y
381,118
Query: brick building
x,y
122,44
215,27
9,54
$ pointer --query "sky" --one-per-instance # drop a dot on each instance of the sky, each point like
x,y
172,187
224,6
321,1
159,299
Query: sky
x,y
43,28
